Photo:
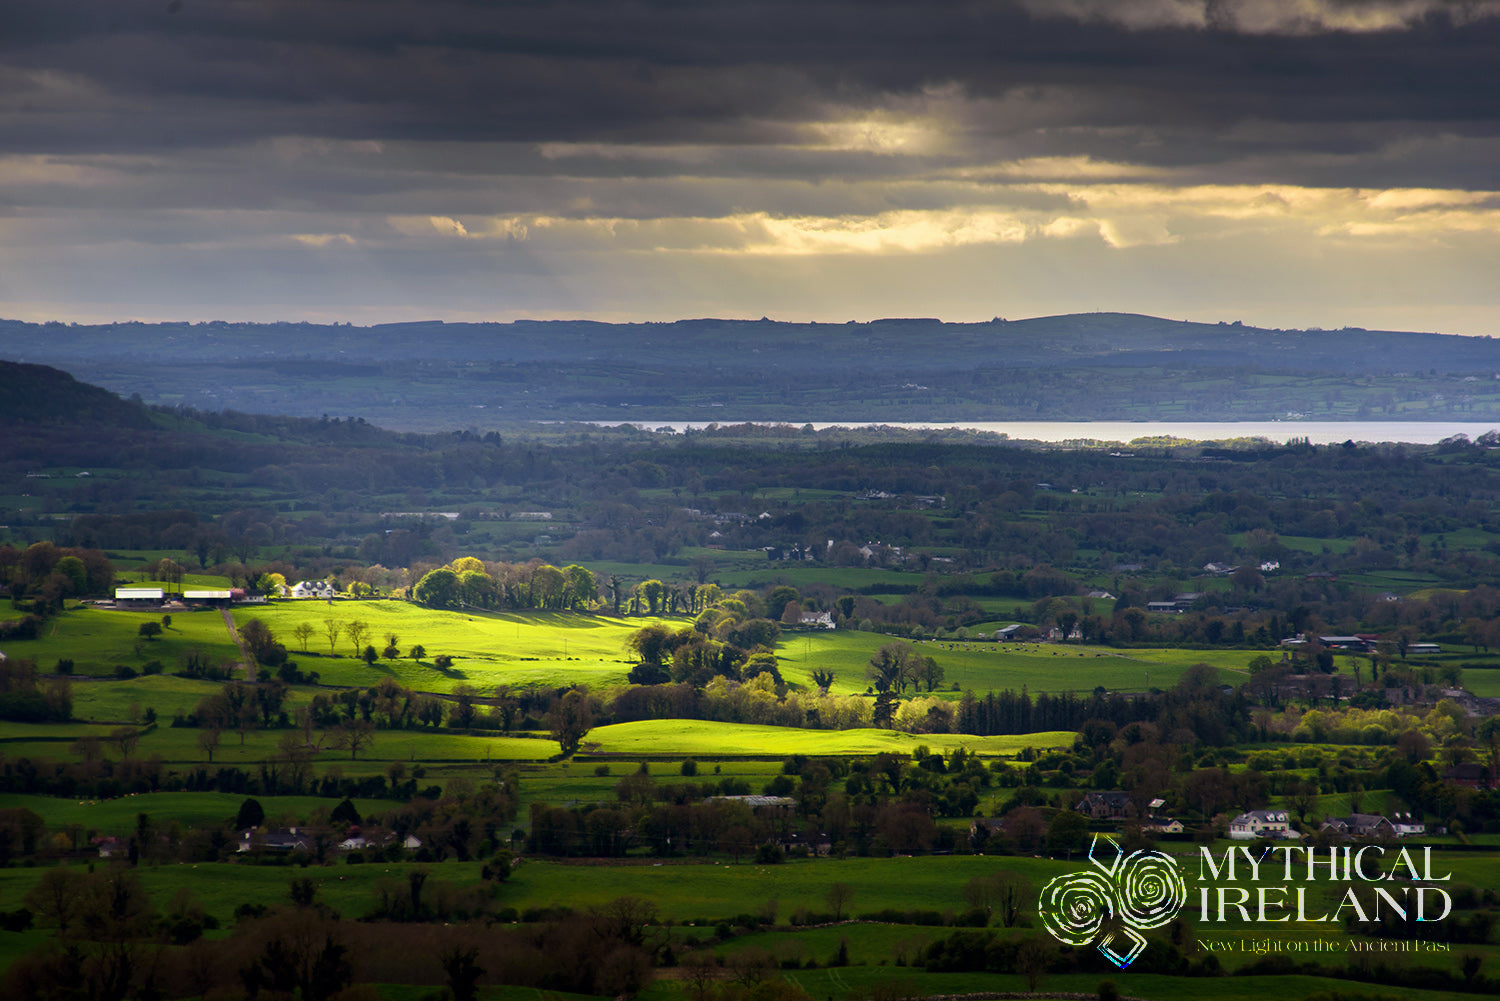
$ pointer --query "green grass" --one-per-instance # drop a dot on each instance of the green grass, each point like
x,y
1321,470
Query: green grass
x,y
190,809
983,666
488,648
704,737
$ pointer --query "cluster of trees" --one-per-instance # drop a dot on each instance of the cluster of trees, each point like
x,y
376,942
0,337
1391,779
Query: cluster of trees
x,y
877,806
469,582
44,574
729,638
23,700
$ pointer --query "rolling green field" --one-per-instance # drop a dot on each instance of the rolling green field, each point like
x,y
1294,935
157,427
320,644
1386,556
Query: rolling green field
x,y
982,666
550,649
706,738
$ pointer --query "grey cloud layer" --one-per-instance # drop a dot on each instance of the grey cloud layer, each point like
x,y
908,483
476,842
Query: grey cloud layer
x,y
1160,83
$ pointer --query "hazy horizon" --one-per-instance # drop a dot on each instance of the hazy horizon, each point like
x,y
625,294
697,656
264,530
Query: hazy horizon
x,y
1328,163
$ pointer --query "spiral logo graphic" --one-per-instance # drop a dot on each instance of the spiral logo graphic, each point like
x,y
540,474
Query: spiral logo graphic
x,y
1144,890
1074,907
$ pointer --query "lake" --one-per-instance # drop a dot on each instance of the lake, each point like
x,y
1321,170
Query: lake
x,y
1318,432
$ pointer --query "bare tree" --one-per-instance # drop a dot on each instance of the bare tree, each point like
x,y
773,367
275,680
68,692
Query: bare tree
x,y
303,631
357,632
208,740
333,629
126,738
354,736
839,896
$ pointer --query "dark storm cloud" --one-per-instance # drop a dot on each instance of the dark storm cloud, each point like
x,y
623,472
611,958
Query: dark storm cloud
x,y
1181,85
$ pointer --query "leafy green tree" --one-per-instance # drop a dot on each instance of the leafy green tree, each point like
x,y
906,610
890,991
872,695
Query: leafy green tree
x,y
1067,833
653,592
569,721
438,589
251,814
150,630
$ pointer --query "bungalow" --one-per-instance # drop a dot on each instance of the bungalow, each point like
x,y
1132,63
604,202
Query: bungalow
x,y
1407,826
817,620
1361,825
1262,824
312,589
284,840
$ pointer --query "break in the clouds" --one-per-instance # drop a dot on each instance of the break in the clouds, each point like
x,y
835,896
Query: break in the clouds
x,y
1285,162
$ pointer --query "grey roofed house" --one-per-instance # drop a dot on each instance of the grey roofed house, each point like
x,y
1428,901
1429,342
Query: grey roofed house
x,y
1262,824
283,840
1361,825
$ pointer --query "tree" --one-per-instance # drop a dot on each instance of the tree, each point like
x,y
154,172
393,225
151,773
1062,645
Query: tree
x,y
417,652
569,721
1032,960
438,589
893,667
208,740
652,592
332,629
930,672
462,972
823,678
303,631
1004,893
58,897
149,630
357,632
1067,833
839,896
126,738
251,814
354,736
370,655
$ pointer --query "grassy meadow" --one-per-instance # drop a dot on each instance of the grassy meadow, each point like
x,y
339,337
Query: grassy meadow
x,y
551,649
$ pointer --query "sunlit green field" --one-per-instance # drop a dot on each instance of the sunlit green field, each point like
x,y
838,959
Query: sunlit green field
x,y
488,648
983,666
704,737
550,649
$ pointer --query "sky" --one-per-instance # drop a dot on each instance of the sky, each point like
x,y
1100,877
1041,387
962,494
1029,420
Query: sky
x,y
1285,163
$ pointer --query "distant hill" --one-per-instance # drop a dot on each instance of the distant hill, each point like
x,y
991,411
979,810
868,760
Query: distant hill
x,y
431,375
924,344
37,394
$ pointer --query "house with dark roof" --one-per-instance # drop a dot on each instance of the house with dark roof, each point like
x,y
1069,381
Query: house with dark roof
x,y
1262,824
1361,825
1113,805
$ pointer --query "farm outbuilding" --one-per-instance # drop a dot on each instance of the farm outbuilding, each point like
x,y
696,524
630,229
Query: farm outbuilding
x,y
139,597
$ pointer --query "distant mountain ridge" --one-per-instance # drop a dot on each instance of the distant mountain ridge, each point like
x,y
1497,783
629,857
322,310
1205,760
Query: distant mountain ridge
x,y
431,375
1070,339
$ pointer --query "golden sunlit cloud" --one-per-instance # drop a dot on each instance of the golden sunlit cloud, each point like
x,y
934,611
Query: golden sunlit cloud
x,y
1120,215
881,136
323,239
1264,17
